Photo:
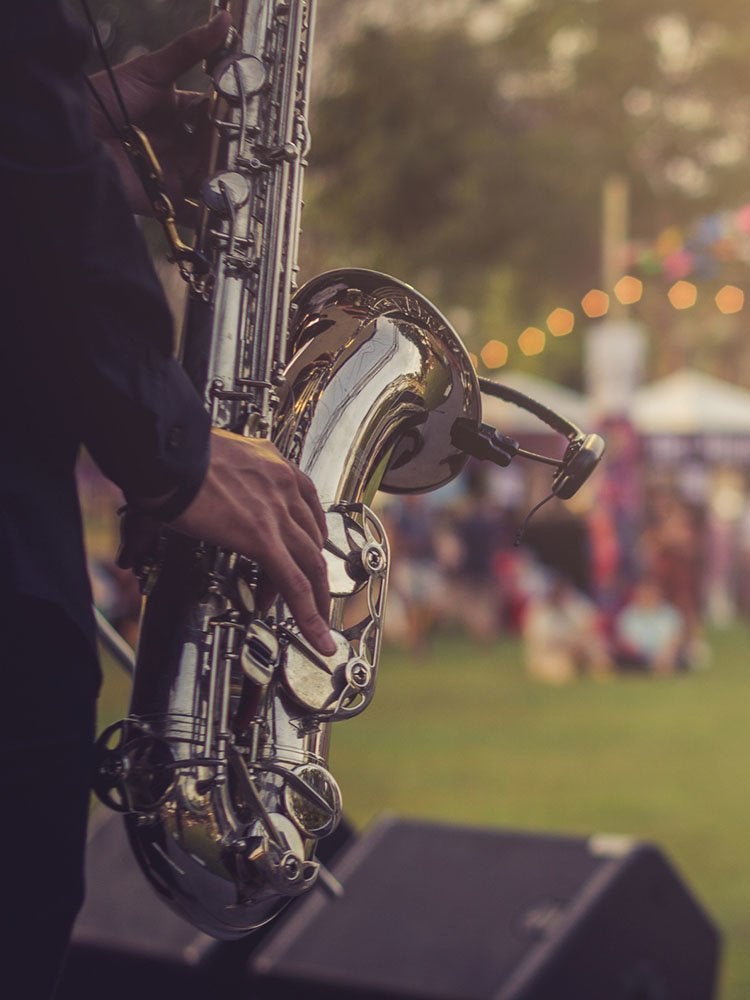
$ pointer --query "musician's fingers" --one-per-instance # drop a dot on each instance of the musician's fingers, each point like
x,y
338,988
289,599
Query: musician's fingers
x,y
265,595
253,501
310,496
303,587
185,154
297,494
304,518
268,590
164,66
188,100
307,555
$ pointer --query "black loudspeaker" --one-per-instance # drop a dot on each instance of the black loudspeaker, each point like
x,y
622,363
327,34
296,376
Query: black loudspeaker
x,y
449,913
128,943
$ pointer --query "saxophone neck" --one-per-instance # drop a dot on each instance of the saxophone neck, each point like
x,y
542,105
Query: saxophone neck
x,y
376,381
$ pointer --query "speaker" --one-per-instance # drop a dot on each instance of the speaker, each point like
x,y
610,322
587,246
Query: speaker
x,y
127,942
441,912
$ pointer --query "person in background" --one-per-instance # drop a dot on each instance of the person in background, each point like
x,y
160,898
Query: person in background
x,y
481,533
415,573
562,635
649,631
673,557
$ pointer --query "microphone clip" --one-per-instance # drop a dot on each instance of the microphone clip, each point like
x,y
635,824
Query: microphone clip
x,y
483,442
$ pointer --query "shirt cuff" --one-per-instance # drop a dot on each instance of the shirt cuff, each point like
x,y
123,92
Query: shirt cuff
x,y
177,501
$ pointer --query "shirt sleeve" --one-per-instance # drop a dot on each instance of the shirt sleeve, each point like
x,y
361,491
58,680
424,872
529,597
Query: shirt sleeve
x,y
87,313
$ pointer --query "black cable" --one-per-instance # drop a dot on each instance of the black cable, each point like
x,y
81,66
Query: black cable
x,y
565,427
522,530
110,73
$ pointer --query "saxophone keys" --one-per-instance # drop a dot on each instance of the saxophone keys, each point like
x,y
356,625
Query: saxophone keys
x,y
358,674
260,653
333,687
225,192
134,771
239,78
374,559
246,594
343,552
315,682
279,858
312,800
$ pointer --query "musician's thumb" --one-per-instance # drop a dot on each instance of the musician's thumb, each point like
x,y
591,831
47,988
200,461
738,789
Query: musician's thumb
x,y
166,64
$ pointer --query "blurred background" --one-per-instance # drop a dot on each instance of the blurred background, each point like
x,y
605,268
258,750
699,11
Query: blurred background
x,y
568,181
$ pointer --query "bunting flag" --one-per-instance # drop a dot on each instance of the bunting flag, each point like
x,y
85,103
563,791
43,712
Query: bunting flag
x,y
699,251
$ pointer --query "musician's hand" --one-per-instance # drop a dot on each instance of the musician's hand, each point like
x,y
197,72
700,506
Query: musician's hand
x,y
254,502
171,118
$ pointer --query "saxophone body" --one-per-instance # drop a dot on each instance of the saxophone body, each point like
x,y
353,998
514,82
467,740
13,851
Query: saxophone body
x,y
221,765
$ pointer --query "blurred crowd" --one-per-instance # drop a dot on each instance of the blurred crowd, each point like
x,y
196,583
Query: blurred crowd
x,y
564,590
625,580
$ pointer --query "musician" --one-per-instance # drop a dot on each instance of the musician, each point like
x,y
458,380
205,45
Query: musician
x,y
85,357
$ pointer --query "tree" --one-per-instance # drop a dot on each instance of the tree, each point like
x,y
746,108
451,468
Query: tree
x,y
472,163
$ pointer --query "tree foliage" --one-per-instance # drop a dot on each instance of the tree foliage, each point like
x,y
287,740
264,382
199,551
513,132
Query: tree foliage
x,y
463,157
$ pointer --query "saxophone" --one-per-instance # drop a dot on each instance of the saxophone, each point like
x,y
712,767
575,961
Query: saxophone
x,y
220,767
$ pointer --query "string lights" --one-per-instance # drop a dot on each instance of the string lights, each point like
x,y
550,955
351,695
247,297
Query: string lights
x,y
595,304
676,256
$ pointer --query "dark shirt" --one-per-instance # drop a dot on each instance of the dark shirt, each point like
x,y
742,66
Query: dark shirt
x,y
85,332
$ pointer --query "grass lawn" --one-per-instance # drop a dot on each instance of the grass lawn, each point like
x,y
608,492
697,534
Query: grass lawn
x,y
462,735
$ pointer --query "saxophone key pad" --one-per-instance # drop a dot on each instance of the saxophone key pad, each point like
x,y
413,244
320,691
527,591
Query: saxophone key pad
x,y
225,192
315,682
312,799
239,77
260,653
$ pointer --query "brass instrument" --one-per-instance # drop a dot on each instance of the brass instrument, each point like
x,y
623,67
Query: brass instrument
x,y
221,765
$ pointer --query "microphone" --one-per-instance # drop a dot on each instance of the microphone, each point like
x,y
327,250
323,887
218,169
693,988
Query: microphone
x,y
484,442
580,459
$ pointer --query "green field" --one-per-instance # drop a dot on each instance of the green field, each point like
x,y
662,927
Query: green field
x,y
462,735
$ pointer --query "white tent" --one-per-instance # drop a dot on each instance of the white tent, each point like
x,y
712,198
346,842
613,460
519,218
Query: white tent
x,y
511,419
691,402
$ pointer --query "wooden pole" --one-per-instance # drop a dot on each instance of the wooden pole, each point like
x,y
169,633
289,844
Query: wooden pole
x,y
615,211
